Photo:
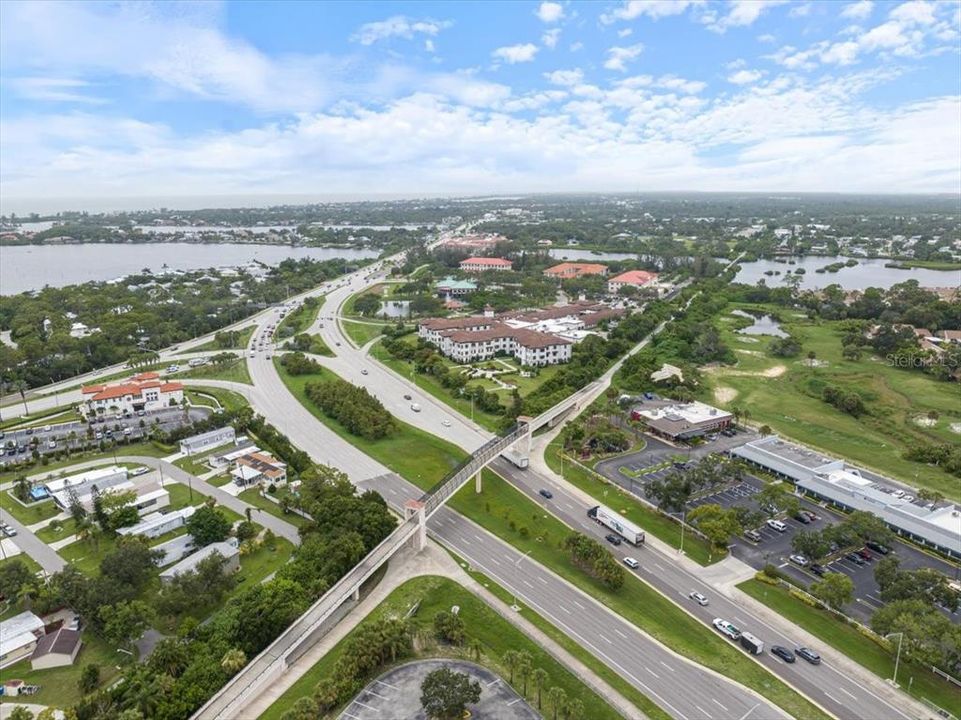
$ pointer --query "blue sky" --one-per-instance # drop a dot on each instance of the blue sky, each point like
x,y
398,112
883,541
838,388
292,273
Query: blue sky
x,y
148,99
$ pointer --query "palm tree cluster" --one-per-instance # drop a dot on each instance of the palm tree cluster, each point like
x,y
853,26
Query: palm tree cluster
x,y
520,664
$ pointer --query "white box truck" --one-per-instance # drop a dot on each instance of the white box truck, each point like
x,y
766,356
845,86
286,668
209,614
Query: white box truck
x,y
612,520
516,457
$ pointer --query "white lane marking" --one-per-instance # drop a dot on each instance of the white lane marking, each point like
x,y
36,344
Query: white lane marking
x,y
605,639
564,609
479,538
666,665
652,672
527,583
831,697
703,712
658,566
493,560
850,695
737,619
542,579
620,633
719,705
744,716
578,604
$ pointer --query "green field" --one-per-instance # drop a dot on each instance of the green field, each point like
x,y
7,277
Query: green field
x,y
28,514
253,497
235,371
228,399
651,521
300,319
362,332
918,681
494,635
211,346
788,400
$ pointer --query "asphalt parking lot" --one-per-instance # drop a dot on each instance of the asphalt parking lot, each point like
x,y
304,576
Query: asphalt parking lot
x,y
396,694
774,547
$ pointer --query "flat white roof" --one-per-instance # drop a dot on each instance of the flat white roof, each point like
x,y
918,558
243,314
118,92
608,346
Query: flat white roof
x,y
90,476
692,412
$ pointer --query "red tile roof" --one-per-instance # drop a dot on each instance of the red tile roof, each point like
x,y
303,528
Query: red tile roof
x,y
635,277
569,269
490,262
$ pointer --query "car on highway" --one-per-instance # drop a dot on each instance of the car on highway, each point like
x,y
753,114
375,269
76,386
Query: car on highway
x,y
632,563
364,371
782,652
544,492
612,539
809,655
855,558
139,471
407,397
776,525
799,560
726,628
415,407
445,423
698,598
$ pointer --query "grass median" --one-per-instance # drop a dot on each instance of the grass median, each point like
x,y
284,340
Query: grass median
x,y
914,679
495,635
362,332
651,521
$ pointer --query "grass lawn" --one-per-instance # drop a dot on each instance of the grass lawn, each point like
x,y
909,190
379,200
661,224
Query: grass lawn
x,y
253,497
861,649
790,402
236,371
58,686
495,635
651,521
28,514
362,332
228,399
631,693
243,338
431,385
300,319
194,464
220,480
418,456
636,601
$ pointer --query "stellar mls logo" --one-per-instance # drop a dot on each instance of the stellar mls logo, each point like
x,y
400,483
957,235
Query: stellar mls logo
x,y
918,360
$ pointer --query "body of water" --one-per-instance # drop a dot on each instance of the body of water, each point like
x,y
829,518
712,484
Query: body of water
x,y
394,309
867,273
31,267
763,325
589,255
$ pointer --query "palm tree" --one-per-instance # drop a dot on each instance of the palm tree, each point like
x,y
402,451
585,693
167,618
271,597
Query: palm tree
x,y
247,511
540,678
575,709
524,668
557,698
233,660
512,659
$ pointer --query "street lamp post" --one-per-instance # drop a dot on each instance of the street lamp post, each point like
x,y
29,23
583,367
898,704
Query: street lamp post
x,y
897,658
683,523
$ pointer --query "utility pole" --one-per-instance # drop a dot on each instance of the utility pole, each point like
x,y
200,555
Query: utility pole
x,y
897,659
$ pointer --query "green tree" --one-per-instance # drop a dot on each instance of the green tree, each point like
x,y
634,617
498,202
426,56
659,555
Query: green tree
x,y
89,678
449,627
125,622
811,544
717,523
208,525
19,712
836,589
525,667
305,708
14,575
512,659
445,694
557,697
367,304
540,678
575,709
233,661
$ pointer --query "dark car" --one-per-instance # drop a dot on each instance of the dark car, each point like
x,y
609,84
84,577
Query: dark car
x,y
811,516
879,548
613,539
865,554
818,570
855,558
784,653
809,655
546,493
803,518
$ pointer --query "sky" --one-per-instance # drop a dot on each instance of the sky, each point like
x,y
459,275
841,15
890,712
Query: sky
x,y
103,101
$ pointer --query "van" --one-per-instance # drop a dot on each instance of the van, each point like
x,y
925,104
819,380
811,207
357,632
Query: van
x,y
776,525
751,643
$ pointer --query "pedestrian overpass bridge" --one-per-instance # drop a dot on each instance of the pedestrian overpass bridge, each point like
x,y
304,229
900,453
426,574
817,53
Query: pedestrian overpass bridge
x,y
273,661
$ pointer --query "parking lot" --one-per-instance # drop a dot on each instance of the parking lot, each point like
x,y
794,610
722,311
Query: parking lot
x,y
774,547
396,694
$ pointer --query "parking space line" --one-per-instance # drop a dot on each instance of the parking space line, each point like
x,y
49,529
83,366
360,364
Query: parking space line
x,y
381,682
355,717
719,705
382,697
514,701
492,683
369,707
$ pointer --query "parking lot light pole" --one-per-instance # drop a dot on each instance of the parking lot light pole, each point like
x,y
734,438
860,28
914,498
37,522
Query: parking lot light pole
x,y
897,659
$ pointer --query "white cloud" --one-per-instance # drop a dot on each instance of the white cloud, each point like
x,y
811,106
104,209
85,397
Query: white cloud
x,y
54,89
619,57
858,10
565,77
429,45
736,64
741,13
550,12
917,12
397,26
766,38
575,46
802,10
654,9
744,77
512,54
551,38
625,32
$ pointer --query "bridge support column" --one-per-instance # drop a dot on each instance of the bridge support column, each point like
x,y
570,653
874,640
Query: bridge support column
x,y
355,596
478,482
416,508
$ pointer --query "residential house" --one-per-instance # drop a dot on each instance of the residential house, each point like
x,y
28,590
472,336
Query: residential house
x,y
228,549
56,649
256,468
19,637
197,444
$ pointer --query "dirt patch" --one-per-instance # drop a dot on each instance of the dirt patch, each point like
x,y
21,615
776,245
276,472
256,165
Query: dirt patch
x,y
773,372
815,363
756,353
747,340
924,421
724,394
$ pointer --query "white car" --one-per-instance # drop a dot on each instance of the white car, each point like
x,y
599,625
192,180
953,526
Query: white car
x,y
799,560
445,423
727,628
698,598
776,525
632,563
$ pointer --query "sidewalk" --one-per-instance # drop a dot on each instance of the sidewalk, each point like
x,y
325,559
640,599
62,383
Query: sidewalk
x,y
432,561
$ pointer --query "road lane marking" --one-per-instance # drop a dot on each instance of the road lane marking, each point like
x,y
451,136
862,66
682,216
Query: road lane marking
x,y
719,705
832,698
605,639
564,609
737,619
578,604
851,695
666,665
542,579
512,702
620,633
703,712
744,716
658,566
651,672
527,583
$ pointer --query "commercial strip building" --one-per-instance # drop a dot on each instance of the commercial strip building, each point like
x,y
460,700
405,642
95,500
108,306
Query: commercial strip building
x,y
197,444
568,270
228,549
145,391
449,287
834,481
683,421
483,264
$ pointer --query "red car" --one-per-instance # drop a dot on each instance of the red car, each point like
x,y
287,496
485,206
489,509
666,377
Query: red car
x,y
866,554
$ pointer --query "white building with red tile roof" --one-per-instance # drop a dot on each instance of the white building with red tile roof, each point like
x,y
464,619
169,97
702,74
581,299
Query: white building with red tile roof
x,y
483,264
631,278
145,391
567,270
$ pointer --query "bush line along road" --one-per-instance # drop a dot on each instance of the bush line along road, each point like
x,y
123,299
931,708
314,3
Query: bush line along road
x,y
635,657
682,688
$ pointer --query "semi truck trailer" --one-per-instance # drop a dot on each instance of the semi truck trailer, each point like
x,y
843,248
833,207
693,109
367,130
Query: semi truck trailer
x,y
613,521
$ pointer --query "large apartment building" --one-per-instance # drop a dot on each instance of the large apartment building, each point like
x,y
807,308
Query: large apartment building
x,y
483,264
145,391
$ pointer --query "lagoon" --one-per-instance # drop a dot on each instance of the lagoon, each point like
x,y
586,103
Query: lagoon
x,y
31,267
867,273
